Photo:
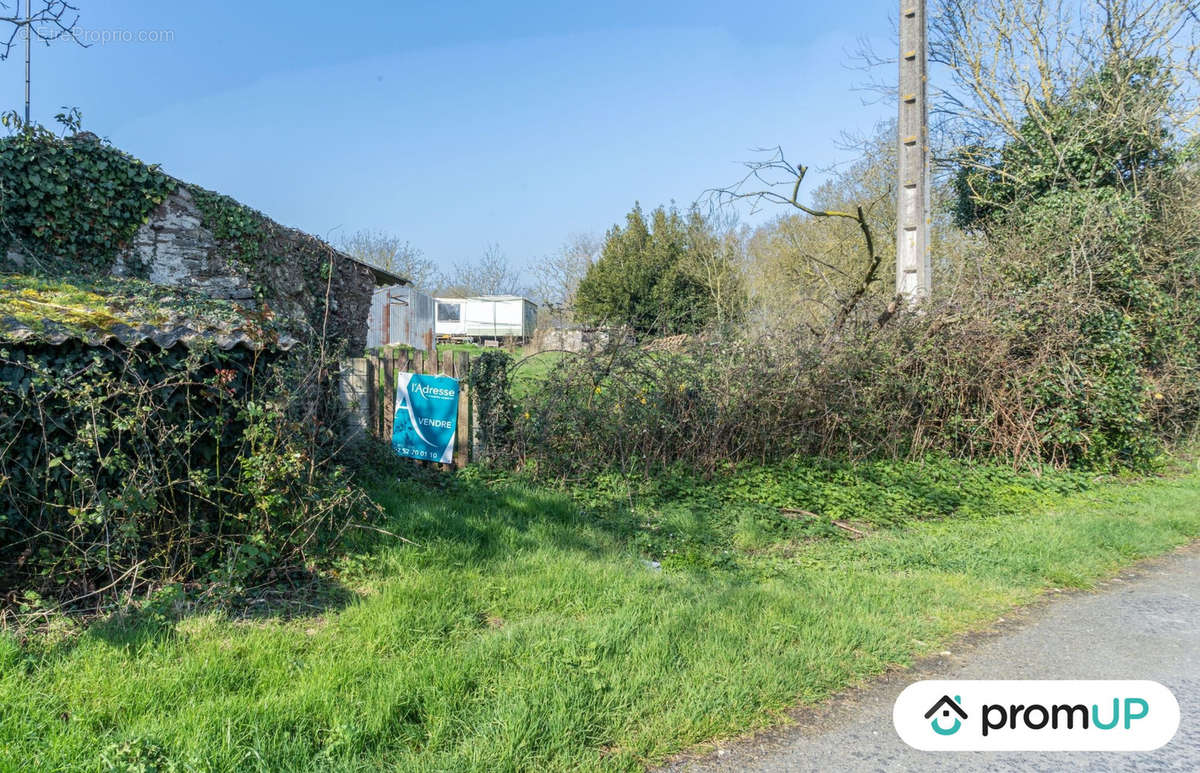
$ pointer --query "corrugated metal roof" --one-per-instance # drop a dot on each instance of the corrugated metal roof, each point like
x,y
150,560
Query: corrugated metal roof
x,y
482,298
383,277
13,331
131,312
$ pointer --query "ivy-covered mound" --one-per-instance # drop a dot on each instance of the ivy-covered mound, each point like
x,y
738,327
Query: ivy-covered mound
x,y
74,206
153,433
150,439
70,205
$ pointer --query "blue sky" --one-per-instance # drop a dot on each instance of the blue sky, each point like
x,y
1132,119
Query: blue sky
x,y
459,125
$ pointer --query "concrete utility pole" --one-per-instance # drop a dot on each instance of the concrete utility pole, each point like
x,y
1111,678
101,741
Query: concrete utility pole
x,y
28,46
913,266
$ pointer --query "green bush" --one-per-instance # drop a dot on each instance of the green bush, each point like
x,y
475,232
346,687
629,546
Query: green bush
x,y
655,278
1073,339
72,204
492,399
130,467
1044,374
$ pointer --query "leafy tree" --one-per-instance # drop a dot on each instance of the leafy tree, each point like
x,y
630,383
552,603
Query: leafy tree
x,y
1110,132
649,277
1077,205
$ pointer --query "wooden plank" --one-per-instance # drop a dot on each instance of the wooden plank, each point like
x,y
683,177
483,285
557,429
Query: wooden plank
x,y
372,417
416,364
462,430
447,364
389,396
381,387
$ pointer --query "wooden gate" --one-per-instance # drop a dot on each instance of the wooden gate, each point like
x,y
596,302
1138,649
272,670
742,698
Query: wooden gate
x,y
378,405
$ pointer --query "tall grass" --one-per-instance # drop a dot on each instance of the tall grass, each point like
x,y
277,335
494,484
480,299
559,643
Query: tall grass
x,y
525,630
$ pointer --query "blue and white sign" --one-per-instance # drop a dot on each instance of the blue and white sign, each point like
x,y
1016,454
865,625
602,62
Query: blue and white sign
x,y
426,417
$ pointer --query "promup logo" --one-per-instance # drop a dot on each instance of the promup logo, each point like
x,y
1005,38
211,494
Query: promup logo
x,y
1036,715
945,705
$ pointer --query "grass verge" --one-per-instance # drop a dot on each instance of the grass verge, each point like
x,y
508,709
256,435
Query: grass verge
x,y
527,629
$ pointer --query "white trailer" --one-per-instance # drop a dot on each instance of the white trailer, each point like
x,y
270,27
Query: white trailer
x,y
485,317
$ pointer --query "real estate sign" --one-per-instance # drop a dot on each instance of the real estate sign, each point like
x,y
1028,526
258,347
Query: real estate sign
x,y
426,415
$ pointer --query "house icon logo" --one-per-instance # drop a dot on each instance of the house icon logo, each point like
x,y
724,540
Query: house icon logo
x,y
945,706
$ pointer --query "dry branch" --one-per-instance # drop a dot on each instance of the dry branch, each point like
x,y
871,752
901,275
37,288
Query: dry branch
x,y
53,20
776,173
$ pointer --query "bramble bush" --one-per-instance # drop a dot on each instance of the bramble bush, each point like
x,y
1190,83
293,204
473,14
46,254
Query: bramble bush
x,y
1071,336
1056,370
127,468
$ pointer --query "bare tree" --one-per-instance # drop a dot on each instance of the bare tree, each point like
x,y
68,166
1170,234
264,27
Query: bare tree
x,y
49,20
557,276
716,256
1002,63
492,274
387,251
776,181
53,19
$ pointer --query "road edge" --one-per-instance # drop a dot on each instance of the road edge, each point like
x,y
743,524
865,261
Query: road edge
x,y
960,647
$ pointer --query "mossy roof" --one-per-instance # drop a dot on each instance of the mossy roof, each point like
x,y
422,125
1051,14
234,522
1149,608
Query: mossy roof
x,y
132,311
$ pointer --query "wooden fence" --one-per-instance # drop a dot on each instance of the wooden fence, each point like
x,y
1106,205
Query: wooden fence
x,y
370,391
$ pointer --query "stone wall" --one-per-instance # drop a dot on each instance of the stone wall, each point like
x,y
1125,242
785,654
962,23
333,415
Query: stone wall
x,y
177,248
570,339
88,210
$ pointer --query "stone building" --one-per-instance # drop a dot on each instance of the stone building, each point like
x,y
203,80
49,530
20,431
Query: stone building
x,y
188,238
177,247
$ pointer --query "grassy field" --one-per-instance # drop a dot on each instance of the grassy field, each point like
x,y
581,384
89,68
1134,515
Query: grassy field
x,y
530,367
529,629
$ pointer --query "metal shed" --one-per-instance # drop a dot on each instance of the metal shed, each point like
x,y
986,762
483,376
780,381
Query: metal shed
x,y
486,316
401,315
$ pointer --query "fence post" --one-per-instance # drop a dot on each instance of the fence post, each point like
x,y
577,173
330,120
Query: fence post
x,y
476,432
354,396
462,431
389,398
372,389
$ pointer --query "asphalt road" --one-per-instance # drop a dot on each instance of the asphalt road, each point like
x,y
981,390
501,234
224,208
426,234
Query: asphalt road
x,y
1144,624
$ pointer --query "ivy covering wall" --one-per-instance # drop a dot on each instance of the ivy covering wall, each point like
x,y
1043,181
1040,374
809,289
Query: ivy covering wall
x,y
73,206
156,433
70,205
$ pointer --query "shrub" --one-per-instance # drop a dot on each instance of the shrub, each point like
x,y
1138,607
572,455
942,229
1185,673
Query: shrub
x,y
130,467
1072,340
492,399
1048,373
